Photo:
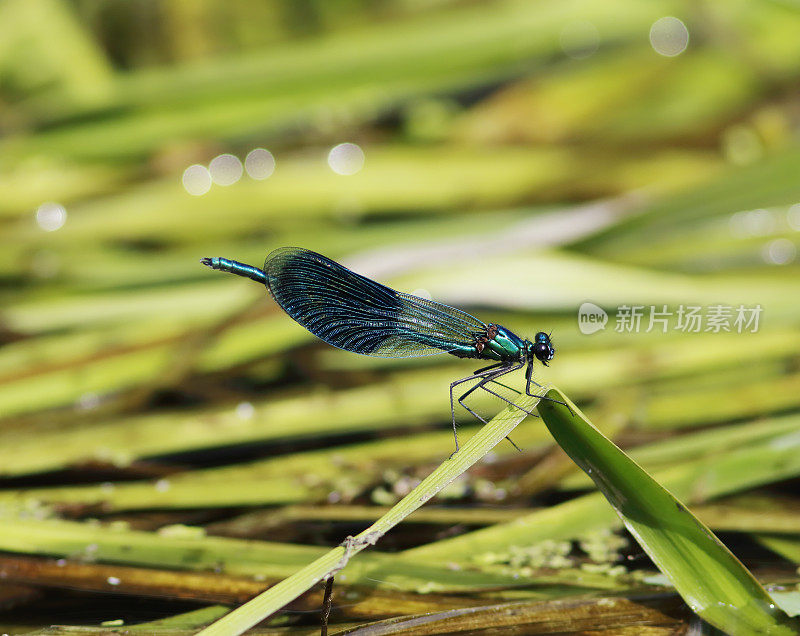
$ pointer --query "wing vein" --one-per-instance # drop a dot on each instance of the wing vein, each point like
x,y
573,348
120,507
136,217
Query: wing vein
x,y
352,312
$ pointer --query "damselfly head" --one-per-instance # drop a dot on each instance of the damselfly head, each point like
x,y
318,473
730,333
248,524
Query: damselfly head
x,y
542,348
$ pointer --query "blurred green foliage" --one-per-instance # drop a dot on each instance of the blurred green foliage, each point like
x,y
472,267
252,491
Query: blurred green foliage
x,y
521,158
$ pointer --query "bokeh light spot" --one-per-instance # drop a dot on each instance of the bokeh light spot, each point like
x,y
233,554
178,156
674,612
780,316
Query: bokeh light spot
x,y
754,223
579,39
196,180
225,170
245,410
346,159
162,485
259,163
88,401
51,216
779,252
669,36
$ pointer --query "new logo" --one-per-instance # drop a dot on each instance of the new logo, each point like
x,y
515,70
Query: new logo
x,y
591,318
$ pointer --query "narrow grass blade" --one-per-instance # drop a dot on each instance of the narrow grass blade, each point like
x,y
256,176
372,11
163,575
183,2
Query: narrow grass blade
x,y
329,564
764,457
189,620
604,614
188,548
787,546
710,579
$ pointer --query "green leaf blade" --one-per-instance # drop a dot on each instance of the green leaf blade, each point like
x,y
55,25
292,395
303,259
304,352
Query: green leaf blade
x,y
711,580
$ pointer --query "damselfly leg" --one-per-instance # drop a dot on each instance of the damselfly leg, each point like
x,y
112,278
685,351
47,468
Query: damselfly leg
x,y
484,376
480,373
529,380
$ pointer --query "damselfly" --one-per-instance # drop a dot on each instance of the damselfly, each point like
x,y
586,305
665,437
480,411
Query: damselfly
x,y
354,313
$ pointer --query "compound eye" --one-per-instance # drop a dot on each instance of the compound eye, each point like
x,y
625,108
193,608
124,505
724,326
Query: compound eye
x,y
541,337
541,351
